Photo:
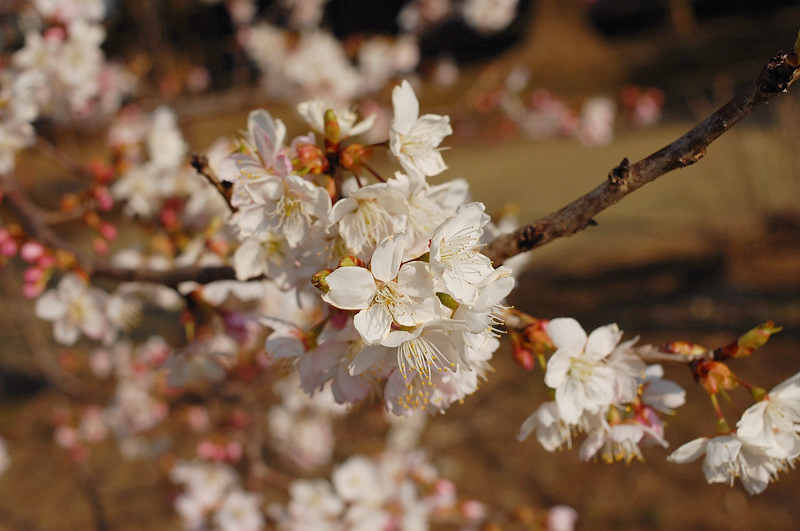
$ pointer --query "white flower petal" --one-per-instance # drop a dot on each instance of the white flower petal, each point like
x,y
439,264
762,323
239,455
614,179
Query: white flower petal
x,y
387,257
351,288
690,451
567,334
601,341
373,323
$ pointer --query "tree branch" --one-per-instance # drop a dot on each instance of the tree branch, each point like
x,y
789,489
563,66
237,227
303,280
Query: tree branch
x,y
200,163
32,218
775,78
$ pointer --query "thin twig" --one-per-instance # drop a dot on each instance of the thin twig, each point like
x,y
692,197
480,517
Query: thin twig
x,y
200,163
775,78
651,354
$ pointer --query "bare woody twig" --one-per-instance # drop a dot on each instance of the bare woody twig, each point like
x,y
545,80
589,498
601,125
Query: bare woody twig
x,y
775,78
200,163
32,219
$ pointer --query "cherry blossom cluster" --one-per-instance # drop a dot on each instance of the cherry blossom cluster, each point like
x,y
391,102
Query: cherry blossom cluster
x,y
412,300
75,307
396,490
213,498
156,180
59,72
602,388
537,114
137,405
766,441
301,426
307,61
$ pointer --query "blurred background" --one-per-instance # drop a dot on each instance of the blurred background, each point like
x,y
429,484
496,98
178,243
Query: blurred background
x,y
545,100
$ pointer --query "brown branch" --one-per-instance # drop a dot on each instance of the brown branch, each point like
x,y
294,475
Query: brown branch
x,y
200,163
32,219
168,277
775,78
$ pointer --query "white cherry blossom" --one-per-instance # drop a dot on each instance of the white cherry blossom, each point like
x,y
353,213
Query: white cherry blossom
x,y
415,139
389,292
663,395
239,511
367,216
728,457
289,206
426,349
313,502
357,480
428,207
261,155
773,423
488,16
313,111
74,307
454,257
618,442
550,431
578,370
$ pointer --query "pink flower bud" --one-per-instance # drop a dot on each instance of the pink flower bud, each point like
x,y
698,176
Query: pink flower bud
x,y
8,248
206,450
32,251
234,451
240,419
33,274
55,35
32,290
66,436
108,231
104,200
561,518
100,246
46,261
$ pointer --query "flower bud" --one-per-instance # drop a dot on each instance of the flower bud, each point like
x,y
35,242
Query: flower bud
x,y
108,231
319,281
350,260
748,342
523,356
354,156
714,376
333,133
311,159
447,300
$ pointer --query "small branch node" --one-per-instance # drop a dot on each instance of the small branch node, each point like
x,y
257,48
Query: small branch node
x,y
619,175
528,238
200,164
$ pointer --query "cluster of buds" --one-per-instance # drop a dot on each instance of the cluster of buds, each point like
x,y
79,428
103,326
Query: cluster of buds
x,y
529,341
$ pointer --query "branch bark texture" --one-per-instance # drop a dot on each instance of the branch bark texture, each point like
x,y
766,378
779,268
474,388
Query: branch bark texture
x,y
775,78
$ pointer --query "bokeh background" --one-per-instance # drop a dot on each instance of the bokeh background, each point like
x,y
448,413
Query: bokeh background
x,y
701,255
